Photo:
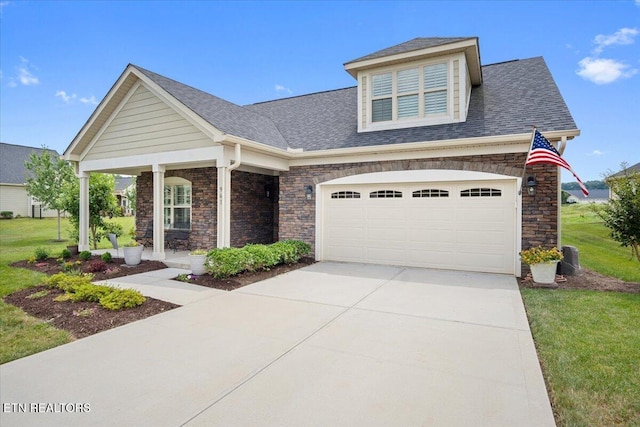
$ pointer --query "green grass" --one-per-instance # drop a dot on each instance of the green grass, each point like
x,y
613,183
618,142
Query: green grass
x,y
597,250
589,346
20,334
588,342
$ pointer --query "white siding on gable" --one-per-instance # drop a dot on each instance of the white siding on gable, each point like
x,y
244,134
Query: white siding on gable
x,y
146,124
14,198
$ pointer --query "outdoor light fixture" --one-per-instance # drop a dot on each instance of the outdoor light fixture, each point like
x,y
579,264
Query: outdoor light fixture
x,y
308,191
267,191
531,185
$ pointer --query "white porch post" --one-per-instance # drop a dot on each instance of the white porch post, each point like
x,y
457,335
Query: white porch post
x,y
83,237
224,201
158,212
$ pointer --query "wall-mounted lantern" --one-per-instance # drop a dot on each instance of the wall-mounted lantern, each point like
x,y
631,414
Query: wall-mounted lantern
x,y
308,192
531,185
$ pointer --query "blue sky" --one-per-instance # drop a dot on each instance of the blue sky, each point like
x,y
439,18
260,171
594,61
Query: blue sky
x,y
58,59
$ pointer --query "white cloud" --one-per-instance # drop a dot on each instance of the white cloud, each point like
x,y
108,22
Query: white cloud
x,y
623,36
603,71
280,88
66,98
25,76
91,100
597,153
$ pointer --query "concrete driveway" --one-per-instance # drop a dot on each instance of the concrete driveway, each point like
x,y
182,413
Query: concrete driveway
x,y
330,344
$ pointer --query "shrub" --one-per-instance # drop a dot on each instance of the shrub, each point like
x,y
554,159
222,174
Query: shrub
x,y
67,282
290,251
41,254
261,257
85,255
538,255
106,257
65,254
90,292
97,266
122,298
226,262
6,214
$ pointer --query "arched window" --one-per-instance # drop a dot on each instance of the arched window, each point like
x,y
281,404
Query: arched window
x,y
177,203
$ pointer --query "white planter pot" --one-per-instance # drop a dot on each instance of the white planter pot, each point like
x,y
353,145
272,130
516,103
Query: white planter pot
x,y
197,264
132,254
544,273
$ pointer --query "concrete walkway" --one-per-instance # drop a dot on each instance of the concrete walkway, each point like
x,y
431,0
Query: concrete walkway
x,y
330,344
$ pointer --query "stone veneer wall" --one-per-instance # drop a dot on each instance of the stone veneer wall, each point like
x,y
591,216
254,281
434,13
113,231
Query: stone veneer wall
x,y
539,212
252,213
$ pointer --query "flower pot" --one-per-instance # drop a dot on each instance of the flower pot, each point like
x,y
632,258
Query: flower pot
x,y
544,273
73,250
197,264
132,254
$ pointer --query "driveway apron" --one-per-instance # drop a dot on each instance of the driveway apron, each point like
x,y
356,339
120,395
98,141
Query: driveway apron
x,y
329,344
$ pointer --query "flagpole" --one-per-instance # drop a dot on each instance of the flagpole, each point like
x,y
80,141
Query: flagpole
x,y
524,169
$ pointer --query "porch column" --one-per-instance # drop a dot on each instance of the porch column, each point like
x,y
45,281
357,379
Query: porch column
x,y
83,237
158,212
224,207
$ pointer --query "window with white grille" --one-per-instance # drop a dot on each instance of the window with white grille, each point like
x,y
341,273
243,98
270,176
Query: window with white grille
x,y
345,195
481,192
385,194
430,192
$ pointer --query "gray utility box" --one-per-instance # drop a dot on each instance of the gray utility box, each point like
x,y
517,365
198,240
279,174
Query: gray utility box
x,y
570,265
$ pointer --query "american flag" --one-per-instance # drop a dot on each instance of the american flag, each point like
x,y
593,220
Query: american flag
x,y
542,152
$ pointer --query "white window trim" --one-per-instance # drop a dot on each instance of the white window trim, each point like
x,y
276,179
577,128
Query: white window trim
x,y
173,182
403,123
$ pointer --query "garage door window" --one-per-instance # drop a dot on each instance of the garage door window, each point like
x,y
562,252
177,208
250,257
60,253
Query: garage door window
x,y
430,192
345,195
481,192
385,194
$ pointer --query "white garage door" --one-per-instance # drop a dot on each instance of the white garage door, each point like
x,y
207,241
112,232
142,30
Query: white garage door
x,y
451,225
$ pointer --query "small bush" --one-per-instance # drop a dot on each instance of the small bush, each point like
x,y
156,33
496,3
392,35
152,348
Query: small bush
x,y
6,214
261,257
90,292
97,266
38,295
67,282
227,262
65,254
122,298
41,254
106,257
290,251
85,255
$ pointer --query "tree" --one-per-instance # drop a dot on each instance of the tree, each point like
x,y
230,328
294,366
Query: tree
x,y
49,177
622,213
131,195
102,203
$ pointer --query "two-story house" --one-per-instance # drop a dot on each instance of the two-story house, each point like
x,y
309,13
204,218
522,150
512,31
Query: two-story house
x,y
419,164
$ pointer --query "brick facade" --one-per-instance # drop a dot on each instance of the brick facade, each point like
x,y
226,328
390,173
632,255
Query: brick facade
x,y
539,212
252,213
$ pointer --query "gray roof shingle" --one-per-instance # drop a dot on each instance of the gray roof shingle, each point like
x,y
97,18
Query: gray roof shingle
x,y
415,44
223,115
12,158
514,95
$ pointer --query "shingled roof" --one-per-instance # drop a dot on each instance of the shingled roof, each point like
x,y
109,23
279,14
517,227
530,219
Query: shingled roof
x,y
415,44
514,96
12,158
223,115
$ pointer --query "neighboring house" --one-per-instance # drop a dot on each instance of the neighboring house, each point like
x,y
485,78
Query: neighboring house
x,y
631,170
13,182
595,196
419,164
122,183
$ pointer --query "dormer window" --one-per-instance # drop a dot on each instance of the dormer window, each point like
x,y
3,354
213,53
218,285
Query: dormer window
x,y
410,93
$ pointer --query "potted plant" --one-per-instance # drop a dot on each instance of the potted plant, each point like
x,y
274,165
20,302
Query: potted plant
x,y
542,262
132,253
197,259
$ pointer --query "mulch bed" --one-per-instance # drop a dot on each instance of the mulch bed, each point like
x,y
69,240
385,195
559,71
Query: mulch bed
x,y
85,318
117,268
246,278
585,280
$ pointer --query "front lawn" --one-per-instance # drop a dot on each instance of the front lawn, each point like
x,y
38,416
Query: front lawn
x,y
588,342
